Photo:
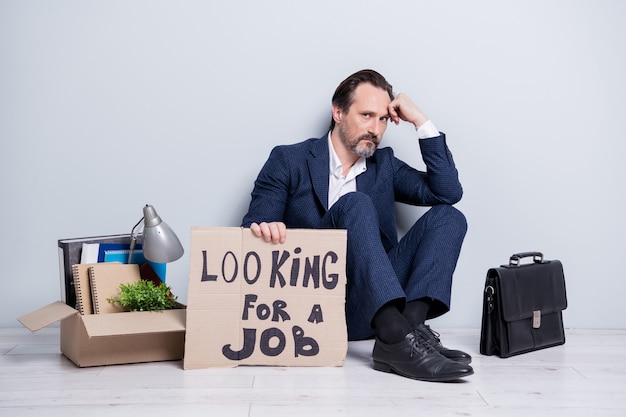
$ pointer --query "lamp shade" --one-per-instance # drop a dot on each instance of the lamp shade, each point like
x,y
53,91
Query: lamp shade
x,y
160,243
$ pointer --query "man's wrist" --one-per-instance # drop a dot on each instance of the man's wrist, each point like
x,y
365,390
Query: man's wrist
x,y
427,130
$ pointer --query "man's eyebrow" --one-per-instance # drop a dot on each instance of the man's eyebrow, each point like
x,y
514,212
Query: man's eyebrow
x,y
371,113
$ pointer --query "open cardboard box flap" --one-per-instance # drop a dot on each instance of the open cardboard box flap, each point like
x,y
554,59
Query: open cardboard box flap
x,y
45,316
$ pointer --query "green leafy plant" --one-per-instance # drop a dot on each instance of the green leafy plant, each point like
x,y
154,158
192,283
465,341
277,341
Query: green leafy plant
x,y
143,295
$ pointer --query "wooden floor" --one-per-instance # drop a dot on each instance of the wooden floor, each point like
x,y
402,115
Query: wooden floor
x,y
585,377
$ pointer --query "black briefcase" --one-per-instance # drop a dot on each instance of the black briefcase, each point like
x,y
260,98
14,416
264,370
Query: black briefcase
x,y
522,306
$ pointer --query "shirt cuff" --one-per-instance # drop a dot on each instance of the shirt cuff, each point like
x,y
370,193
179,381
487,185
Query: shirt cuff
x,y
427,130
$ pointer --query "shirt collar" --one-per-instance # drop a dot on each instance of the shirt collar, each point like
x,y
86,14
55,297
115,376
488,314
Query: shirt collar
x,y
335,166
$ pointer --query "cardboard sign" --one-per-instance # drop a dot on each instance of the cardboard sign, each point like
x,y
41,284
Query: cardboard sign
x,y
256,303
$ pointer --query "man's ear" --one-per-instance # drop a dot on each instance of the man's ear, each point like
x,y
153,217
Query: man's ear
x,y
337,114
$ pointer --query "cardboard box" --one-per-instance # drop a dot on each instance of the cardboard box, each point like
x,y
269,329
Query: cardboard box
x,y
117,338
251,302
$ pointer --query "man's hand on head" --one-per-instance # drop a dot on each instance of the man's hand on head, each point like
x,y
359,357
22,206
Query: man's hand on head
x,y
402,108
275,232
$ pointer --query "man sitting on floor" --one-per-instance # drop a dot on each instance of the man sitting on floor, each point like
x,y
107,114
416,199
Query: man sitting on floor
x,y
343,180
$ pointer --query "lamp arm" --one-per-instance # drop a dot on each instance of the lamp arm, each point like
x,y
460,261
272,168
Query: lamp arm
x,y
133,240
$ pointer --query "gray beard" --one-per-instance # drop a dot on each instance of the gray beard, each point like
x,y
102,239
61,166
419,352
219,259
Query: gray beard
x,y
364,152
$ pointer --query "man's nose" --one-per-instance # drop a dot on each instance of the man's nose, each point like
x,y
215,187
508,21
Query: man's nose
x,y
375,127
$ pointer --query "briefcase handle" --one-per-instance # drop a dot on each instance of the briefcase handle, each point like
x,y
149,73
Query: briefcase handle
x,y
516,258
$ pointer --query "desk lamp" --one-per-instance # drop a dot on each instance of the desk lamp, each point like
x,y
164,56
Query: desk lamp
x,y
160,243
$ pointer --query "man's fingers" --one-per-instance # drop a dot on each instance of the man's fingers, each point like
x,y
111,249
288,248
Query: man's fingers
x,y
278,232
275,232
256,229
402,108
281,231
265,231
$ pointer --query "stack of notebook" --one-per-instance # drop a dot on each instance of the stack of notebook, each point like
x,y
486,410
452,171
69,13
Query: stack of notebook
x,y
95,283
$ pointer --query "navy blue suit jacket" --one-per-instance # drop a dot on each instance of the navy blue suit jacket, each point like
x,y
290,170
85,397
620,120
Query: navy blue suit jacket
x,y
292,186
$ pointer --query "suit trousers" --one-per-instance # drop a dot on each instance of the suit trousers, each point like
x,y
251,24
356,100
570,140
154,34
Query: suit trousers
x,y
420,266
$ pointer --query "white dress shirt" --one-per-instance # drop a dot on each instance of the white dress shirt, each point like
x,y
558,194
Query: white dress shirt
x,y
338,184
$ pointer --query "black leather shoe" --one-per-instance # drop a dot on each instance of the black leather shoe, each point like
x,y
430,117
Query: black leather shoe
x,y
415,358
432,337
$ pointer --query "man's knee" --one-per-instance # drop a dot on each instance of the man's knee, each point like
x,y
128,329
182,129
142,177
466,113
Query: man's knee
x,y
355,202
355,198
354,209
450,216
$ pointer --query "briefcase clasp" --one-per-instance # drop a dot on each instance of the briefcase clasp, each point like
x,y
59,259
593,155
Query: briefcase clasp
x,y
536,319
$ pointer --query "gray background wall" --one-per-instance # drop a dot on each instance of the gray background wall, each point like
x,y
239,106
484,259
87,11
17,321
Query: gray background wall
x,y
107,106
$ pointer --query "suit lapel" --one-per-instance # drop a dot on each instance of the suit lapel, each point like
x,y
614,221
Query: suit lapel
x,y
365,181
318,164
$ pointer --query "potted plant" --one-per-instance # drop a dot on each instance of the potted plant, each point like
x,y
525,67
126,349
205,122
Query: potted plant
x,y
143,295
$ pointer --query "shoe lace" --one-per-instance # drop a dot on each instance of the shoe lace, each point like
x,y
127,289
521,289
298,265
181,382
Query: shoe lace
x,y
435,335
420,345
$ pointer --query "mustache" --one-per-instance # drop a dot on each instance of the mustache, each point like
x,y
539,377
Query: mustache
x,y
372,138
